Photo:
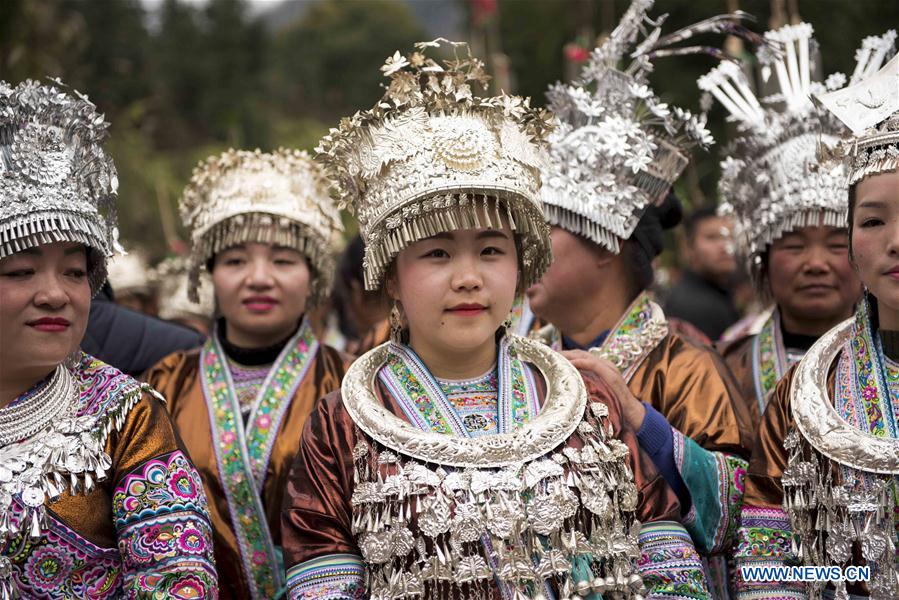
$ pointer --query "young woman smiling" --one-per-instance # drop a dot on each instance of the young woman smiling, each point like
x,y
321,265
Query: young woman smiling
x,y
264,227
458,460
821,485
97,496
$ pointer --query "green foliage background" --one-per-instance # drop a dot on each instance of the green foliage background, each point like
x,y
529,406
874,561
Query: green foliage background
x,y
186,80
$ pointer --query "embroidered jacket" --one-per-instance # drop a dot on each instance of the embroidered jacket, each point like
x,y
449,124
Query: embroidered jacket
x,y
142,531
244,466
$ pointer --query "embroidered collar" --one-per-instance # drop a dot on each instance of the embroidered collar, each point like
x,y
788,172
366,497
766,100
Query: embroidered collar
x,y
252,357
637,334
561,413
769,357
873,450
425,404
242,453
626,345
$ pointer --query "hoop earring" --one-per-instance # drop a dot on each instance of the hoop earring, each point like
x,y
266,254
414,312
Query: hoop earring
x,y
396,324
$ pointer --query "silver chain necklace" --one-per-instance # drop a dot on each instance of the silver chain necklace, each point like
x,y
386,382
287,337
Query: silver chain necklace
x,y
35,413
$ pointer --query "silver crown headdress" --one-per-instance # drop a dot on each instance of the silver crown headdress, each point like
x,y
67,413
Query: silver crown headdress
x,y
432,157
869,106
771,180
56,182
617,148
274,198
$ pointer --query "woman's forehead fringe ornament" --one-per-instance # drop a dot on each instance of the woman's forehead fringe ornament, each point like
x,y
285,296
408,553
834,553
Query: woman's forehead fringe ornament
x,y
56,182
617,148
772,181
431,156
869,107
278,197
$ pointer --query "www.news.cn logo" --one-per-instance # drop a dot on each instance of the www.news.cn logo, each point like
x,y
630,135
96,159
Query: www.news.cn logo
x,y
805,574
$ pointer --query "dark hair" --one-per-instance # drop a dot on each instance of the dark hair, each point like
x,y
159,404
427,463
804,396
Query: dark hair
x,y
350,268
691,223
648,241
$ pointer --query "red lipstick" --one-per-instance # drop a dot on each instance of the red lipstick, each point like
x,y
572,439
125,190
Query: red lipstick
x,y
50,324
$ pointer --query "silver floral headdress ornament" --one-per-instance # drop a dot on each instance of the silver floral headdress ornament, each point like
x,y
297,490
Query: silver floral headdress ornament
x,y
617,148
431,156
56,182
772,181
276,198
869,106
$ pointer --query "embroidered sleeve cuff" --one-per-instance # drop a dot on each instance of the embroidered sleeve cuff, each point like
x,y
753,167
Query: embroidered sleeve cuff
x,y
330,577
669,563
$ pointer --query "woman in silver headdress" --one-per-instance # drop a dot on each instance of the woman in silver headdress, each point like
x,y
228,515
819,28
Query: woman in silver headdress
x,y
821,488
263,229
789,209
97,496
459,460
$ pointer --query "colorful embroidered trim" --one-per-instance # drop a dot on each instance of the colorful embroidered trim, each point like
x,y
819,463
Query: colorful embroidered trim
x,y
426,406
769,359
164,543
331,577
163,530
669,563
243,456
763,540
871,409
476,402
63,564
867,386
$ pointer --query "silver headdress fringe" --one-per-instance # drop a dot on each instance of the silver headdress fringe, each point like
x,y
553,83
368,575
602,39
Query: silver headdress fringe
x,y
266,229
56,182
772,181
409,167
869,106
276,198
617,148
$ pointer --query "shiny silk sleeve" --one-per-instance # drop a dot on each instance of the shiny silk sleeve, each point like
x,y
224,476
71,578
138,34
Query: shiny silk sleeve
x,y
695,391
320,553
159,509
738,357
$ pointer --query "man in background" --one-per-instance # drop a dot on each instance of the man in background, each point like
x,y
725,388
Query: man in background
x,y
703,296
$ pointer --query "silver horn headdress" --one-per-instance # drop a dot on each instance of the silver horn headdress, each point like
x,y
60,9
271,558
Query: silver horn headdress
x,y
56,181
617,148
869,106
772,181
